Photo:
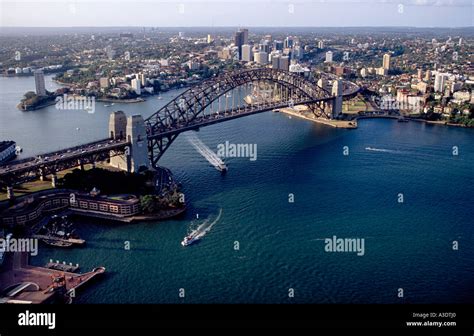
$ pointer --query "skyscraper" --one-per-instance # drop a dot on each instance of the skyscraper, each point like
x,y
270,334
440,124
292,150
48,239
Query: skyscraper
x,y
275,61
39,83
386,61
284,63
329,57
136,86
241,38
246,53
440,80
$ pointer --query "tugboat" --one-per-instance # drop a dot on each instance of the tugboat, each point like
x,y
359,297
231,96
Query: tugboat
x,y
188,240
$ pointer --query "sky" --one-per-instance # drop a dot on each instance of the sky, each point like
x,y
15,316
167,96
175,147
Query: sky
x,y
230,13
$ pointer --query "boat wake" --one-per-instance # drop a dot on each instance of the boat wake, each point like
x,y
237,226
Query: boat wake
x,y
383,150
206,152
203,228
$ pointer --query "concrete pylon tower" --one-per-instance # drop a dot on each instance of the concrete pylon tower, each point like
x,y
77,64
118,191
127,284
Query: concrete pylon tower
x,y
131,129
136,136
337,104
117,125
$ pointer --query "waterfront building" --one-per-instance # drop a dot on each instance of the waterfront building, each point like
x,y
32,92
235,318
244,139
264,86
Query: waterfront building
x,y
136,86
386,61
246,53
39,83
142,79
329,56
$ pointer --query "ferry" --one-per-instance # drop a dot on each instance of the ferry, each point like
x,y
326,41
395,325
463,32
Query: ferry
x,y
188,240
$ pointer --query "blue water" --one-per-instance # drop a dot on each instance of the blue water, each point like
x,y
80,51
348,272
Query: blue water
x,y
407,245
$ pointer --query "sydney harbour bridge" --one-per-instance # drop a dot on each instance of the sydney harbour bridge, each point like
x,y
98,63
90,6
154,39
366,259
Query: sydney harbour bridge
x,y
135,142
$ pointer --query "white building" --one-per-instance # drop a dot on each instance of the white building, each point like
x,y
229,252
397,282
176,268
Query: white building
x,y
386,61
440,80
261,57
247,53
39,83
136,86
329,57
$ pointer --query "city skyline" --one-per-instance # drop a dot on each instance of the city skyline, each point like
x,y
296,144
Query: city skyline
x,y
209,13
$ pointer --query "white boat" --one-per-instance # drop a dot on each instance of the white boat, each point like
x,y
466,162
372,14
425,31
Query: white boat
x,y
107,105
159,98
188,240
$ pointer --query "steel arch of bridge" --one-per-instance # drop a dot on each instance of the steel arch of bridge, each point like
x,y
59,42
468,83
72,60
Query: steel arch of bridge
x,y
186,107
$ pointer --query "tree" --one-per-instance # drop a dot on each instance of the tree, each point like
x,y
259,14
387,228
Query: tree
x,y
148,204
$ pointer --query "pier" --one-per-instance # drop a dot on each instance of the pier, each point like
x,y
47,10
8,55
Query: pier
x,y
23,283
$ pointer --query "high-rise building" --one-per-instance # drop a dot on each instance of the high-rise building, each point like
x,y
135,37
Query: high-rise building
x,y
460,41
246,53
181,35
39,83
136,86
321,44
289,42
241,38
329,57
284,63
439,83
209,38
261,57
277,45
142,79
386,61
275,61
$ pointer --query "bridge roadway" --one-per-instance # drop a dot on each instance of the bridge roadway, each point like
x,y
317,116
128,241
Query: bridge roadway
x,y
63,159
19,171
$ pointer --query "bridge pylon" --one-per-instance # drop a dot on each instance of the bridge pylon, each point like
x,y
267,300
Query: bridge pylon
x,y
133,130
337,103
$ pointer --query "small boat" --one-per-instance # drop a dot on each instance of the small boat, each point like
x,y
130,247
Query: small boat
x,y
221,167
188,240
402,119
107,105
18,150
57,243
159,98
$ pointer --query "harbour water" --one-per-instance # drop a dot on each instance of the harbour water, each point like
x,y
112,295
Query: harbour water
x,y
281,244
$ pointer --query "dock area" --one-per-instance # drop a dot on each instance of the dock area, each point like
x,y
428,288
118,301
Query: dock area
x,y
23,283
299,112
